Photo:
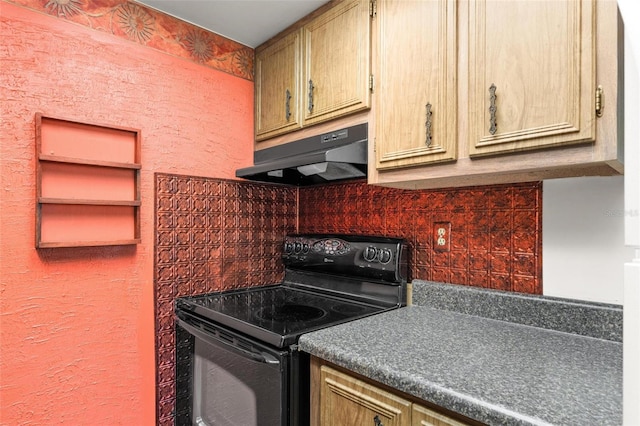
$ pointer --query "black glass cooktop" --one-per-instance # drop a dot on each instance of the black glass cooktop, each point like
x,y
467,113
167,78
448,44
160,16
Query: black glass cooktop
x,y
277,314
329,279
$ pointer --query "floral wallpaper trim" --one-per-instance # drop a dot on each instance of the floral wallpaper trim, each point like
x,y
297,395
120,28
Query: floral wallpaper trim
x,y
154,29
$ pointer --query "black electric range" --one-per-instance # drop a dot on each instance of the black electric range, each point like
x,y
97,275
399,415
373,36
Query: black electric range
x,y
329,279
238,337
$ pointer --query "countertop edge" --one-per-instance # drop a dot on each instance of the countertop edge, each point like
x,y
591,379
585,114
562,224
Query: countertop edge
x,y
460,403
469,405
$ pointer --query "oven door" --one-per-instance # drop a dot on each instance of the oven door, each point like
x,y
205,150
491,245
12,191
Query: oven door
x,y
234,380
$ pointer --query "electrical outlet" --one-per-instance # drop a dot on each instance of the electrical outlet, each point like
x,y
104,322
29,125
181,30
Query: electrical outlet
x,y
442,236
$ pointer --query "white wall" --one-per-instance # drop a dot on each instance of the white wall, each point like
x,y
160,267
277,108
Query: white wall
x,y
583,251
630,10
584,222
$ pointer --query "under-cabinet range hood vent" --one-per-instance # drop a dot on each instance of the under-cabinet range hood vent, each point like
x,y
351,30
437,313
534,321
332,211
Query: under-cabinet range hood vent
x,y
324,158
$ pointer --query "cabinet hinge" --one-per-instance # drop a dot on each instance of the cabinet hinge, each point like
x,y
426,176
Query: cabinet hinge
x,y
373,8
599,101
371,82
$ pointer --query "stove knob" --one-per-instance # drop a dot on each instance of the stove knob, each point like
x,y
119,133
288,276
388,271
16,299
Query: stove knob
x,y
370,254
298,247
385,256
288,247
305,248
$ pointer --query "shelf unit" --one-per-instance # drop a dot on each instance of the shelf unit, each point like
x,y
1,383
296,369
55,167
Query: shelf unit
x,y
87,184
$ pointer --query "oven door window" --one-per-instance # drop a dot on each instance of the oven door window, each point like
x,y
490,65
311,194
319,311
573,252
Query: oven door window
x,y
236,382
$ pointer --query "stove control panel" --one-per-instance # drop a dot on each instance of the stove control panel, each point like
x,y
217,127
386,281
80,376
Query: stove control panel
x,y
353,255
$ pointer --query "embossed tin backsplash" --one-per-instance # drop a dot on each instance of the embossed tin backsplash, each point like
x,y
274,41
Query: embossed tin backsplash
x,y
215,234
485,236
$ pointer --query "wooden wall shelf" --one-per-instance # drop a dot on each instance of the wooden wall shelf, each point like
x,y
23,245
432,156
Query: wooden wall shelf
x,y
87,202
71,160
87,184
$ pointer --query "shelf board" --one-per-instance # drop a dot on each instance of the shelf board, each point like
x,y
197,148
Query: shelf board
x,y
87,162
133,203
44,244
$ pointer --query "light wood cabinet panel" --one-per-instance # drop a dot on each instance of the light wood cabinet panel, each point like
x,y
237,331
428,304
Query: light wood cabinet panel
x,y
317,70
346,401
337,52
342,398
546,60
539,58
277,87
416,83
423,416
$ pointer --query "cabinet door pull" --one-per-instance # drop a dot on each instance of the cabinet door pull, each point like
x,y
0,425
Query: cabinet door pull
x,y
493,127
599,101
377,421
311,87
427,125
287,105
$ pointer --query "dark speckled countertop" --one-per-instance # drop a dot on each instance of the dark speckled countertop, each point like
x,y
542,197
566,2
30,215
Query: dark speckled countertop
x,y
497,371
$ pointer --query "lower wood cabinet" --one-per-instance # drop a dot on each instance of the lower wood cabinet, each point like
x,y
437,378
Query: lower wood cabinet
x,y
346,401
338,398
423,416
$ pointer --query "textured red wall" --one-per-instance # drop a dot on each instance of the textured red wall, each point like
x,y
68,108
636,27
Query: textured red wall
x,y
77,325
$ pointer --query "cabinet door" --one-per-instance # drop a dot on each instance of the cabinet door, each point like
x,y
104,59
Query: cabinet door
x,y
416,83
337,62
531,74
346,401
277,85
422,416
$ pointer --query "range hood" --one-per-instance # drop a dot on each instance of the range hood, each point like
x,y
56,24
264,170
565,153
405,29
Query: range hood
x,y
324,158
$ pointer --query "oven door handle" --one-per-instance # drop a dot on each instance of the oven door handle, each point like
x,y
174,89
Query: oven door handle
x,y
261,357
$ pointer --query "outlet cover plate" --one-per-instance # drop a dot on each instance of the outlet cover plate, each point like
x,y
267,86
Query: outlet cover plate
x,y
442,236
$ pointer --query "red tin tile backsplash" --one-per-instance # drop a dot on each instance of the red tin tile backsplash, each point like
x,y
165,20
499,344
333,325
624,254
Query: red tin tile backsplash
x,y
214,234
211,235
491,235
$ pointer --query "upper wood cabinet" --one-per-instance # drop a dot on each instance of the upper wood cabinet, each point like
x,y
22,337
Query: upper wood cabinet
x,y
318,70
277,87
519,91
532,74
415,100
337,64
